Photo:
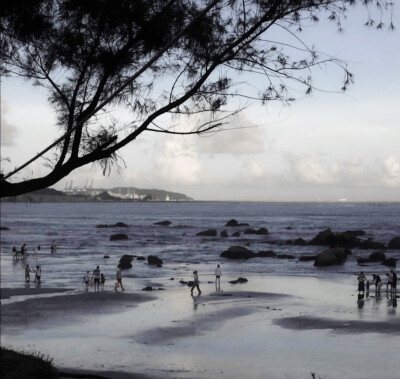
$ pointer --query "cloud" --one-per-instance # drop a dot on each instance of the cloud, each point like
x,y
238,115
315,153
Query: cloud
x,y
239,139
8,130
391,171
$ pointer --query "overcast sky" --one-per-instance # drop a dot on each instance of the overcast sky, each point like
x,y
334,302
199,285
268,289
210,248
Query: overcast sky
x,y
324,147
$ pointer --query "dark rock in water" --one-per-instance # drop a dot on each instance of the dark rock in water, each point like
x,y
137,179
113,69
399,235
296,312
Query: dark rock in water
x,y
356,233
106,257
390,262
299,242
287,242
154,260
378,256
346,239
363,260
164,223
171,278
118,237
117,225
261,231
370,244
288,228
285,256
266,254
306,258
125,262
4,228
394,243
239,280
147,289
329,257
141,258
326,237
236,234
208,233
238,252
233,222
224,233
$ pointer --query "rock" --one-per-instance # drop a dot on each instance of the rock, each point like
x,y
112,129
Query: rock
x,y
233,222
287,242
164,223
141,258
306,258
154,260
261,231
299,242
370,244
356,233
378,256
390,262
238,252
125,262
346,239
117,225
208,233
394,243
236,234
332,256
147,289
106,257
4,228
224,233
118,237
266,254
285,256
288,228
326,237
239,280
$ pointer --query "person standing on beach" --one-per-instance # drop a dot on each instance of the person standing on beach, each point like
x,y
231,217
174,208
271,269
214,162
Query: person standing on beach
x,y
86,280
378,283
394,281
119,279
27,274
36,252
389,282
218,274
102,281
23,251
38,274
96,278
361,282
195,283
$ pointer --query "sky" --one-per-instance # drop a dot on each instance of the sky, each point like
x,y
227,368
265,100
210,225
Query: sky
x,y
324,147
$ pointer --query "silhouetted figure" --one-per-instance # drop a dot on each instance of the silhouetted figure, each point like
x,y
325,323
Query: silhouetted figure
x,y
389,283
119,280
378,284
361,282
218,274
394,281
86,280
102,281
27,274
96,278
195,283
38,274
360,300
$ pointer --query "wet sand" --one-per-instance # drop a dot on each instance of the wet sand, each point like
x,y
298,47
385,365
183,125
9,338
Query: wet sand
x,y
271,327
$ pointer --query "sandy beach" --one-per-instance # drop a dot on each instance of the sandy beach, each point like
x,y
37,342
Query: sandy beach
x,y
270,327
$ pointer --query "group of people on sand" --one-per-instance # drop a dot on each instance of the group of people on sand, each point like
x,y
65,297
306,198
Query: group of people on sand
x,y
98,279
37,271
391,283
195,283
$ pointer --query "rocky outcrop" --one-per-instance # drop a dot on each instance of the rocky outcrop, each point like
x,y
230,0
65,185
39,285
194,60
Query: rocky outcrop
x,y
224,234
233,222
118,237
141,258
236,234
326,237
154,260
332,256
125,262
239,280
374,257
208,233
238,252
261,231
390,262
299,242
147,288
394,243
106,257
117,225
4,228
370,244
163,223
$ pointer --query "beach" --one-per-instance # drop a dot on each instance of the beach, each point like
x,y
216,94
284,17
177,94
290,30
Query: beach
x,y
269,327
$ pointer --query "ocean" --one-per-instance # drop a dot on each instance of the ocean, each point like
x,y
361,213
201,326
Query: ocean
x,y
81,246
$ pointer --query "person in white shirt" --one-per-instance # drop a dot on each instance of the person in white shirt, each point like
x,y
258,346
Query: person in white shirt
x,y
218,274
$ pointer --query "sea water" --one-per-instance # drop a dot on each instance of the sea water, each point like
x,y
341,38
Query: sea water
x,y
81,246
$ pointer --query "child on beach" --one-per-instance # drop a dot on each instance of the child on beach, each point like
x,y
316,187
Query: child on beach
x,y
86,280
102,281
38,274
195,283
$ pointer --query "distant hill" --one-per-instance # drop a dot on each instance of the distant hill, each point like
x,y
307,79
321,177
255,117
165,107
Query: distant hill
x,y
152,194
